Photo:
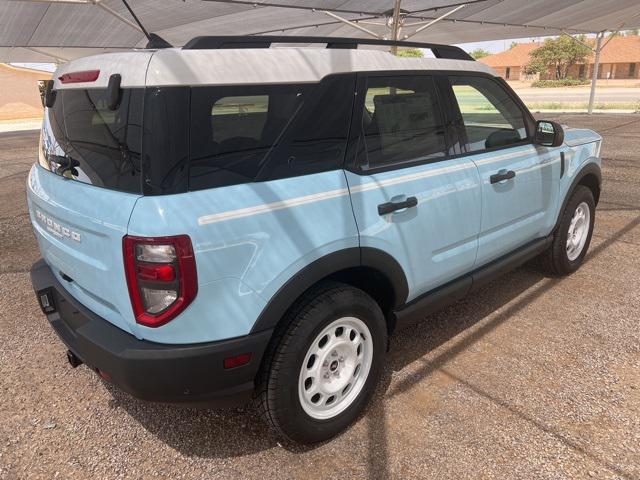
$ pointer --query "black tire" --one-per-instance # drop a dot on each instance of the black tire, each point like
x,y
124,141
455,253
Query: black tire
x,y
277,397
555,260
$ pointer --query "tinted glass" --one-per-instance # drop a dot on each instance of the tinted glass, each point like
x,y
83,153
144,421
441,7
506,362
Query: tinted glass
x,y
166,140
491,117
317,141
82,139
401,122
234,128
252,110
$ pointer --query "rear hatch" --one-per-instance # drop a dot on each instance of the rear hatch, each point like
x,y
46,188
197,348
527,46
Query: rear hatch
x,y
87,181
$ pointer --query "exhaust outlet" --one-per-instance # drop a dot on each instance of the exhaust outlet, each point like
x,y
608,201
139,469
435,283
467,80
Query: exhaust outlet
x,y
74,361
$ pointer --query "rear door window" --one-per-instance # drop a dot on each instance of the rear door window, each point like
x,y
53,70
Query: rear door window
x,y
234,128
401,122
491,117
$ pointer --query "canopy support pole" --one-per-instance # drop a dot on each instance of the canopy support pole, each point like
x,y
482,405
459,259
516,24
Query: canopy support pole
x,y
112,12
395,26
594,75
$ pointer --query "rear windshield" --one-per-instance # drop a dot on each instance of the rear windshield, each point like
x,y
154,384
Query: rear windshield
x,y
164,140
84,140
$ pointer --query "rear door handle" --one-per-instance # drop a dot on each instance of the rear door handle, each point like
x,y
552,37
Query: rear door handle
x,y
390,207
502,175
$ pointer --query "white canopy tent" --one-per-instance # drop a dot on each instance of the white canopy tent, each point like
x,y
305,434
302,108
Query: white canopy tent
x,y
60,30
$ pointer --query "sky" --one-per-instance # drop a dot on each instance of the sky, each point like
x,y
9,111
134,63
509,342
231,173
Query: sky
x,y
47,67
494,46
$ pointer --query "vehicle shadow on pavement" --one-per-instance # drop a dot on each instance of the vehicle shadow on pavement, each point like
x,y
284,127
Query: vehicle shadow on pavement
x,y
194,431
413,343
525,284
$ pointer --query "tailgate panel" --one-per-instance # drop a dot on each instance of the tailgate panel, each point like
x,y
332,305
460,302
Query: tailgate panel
x,y
79,229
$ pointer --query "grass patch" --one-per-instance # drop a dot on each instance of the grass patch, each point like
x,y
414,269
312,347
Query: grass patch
x,y
633,106
567,82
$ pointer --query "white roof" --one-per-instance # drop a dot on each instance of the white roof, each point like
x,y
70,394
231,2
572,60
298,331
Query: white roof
x,y
42,30
247,66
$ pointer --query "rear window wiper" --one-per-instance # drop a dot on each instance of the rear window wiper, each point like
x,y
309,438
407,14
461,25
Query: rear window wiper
x,y
65,164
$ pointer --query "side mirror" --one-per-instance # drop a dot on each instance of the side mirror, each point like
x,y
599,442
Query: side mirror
x,y
548,134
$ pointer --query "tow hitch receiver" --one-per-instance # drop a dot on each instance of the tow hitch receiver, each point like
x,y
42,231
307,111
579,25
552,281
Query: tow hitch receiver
x,y
74,361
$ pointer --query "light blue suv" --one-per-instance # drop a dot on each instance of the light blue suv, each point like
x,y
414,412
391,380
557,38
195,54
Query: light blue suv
x,y
228,221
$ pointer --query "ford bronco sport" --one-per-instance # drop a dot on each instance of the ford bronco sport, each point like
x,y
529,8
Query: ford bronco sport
x,y
227,221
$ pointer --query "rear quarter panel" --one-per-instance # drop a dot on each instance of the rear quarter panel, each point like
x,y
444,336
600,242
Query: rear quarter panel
x,y
249,240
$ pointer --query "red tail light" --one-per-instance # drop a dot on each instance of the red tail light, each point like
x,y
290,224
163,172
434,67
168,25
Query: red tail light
x,y
80,77
161,276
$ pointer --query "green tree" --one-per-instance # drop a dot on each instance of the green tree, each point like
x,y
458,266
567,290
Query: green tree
x,y
558,55
479,53
513,44
410,52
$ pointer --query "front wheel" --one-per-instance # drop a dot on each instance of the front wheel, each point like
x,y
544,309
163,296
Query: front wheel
x,y
323,367
573,235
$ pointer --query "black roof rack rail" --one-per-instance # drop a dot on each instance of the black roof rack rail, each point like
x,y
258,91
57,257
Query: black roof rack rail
x,y
265,41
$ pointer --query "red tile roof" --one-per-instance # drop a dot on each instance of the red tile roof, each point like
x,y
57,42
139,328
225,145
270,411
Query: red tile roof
x,y
514,57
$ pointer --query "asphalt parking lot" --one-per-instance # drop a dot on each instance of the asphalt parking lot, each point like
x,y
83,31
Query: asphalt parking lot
x,y
533,378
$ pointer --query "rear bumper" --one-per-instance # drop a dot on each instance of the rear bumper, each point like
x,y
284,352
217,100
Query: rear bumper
x,y
147,370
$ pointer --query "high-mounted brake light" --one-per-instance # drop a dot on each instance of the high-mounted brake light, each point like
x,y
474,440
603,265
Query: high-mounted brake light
x,y
80,77
161,276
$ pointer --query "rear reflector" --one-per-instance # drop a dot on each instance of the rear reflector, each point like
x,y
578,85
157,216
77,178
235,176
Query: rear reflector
x,y
237,361
80,77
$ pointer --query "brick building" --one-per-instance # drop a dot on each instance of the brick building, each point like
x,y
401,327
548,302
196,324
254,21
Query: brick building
x,y
620,59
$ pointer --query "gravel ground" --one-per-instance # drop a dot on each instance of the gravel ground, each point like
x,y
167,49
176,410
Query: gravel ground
x,y
533,378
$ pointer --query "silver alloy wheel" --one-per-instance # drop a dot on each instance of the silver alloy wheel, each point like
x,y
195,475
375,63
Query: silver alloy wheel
x,y
578,231
335,368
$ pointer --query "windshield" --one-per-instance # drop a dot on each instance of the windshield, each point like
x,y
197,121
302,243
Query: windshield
x,y
82,139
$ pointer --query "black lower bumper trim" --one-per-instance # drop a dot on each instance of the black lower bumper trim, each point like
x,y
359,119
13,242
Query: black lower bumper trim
x,y
152,371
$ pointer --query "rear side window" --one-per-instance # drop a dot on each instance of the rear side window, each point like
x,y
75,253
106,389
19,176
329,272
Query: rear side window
x,y
82,139
234,128
317,141
227,110
491,117
401,122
